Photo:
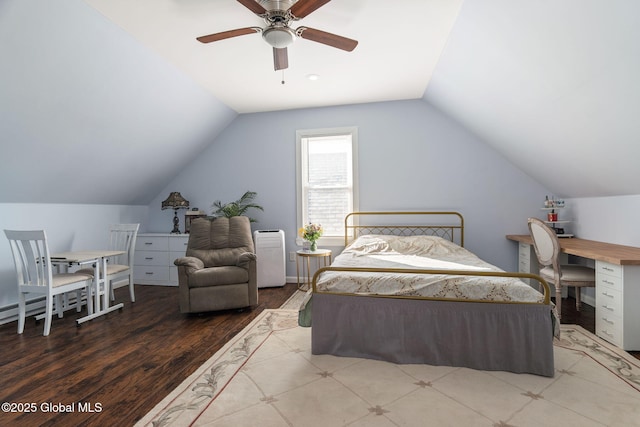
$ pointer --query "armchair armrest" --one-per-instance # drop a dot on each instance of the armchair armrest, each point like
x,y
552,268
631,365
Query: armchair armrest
x,y
190,263
245,259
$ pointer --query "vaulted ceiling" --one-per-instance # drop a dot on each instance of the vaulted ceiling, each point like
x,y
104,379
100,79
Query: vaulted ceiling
x,y
550,85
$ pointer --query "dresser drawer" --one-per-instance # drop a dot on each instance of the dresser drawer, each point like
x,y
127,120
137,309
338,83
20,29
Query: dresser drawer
x,y
178,244
608,269
149,258
151,273
152,243
609,327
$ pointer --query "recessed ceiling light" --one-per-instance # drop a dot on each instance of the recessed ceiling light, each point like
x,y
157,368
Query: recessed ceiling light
x,y
313,76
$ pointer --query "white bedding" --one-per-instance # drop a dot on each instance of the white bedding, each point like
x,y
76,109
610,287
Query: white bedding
x,y
420,252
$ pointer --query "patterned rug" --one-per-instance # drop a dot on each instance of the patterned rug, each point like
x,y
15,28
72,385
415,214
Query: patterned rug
x,y
267,376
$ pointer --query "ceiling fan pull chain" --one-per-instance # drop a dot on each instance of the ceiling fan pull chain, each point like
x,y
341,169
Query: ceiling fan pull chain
x,y
282,77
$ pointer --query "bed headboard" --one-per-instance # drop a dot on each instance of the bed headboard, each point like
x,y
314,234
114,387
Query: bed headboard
x,y
448,225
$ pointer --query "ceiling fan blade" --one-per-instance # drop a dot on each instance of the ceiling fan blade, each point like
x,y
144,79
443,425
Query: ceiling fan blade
x,y
253,6
228,34
280,58
303,8
327,38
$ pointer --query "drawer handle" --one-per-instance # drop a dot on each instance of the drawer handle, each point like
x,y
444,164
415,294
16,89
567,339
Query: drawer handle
x,y
607,333
148,257
607,282
611,322
608,308
148,243
608,269
607,295
148,273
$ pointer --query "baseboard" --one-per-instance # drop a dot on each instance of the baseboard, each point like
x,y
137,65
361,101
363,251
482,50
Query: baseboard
x,y
291,279
9,313
35,306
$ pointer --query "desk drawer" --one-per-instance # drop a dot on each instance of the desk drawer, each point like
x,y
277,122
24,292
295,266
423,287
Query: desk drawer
x,y
148,258
524,252
609,269
607,281
609,327
152,243
608,301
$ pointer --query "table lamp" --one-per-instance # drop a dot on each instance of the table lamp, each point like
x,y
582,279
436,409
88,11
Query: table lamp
x,y
175,201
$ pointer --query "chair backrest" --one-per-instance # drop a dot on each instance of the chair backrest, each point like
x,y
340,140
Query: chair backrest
x,y
122,237
545,243
31,257
220,241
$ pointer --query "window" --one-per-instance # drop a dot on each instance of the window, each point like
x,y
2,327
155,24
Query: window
x,y
327,189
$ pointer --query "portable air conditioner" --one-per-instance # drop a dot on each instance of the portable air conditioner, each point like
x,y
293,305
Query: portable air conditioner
x,y
271,258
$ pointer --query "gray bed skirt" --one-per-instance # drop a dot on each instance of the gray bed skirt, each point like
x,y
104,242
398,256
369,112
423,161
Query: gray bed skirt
x,y
504,337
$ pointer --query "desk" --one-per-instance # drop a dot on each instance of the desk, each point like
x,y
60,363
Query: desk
x,y
617,284
98,259
324,254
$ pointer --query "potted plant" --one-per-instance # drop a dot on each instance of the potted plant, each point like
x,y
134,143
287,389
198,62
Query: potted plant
x,y
237,208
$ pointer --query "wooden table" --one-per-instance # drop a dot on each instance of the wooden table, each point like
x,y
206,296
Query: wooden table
x,y
97,258
617,290
601,251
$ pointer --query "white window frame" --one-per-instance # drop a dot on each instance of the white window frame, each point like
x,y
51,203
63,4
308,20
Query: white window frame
x,y
301,171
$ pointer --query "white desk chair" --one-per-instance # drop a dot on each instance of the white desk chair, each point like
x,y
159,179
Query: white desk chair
x,y
122,237
547,248
35,276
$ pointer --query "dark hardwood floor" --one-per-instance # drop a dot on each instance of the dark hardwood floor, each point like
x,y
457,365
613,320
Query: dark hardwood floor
x,y
122,365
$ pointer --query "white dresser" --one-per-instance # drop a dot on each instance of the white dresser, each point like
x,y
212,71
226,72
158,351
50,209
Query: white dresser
x,y
155,252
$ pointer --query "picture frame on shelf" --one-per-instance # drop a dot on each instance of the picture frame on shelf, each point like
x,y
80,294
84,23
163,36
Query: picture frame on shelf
x,y
190,216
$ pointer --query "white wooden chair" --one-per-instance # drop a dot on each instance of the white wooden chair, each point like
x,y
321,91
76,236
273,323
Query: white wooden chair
x,y
547,248
122,237
35,275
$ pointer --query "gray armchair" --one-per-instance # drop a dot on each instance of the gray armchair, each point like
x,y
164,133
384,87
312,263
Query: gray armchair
x,y
219,269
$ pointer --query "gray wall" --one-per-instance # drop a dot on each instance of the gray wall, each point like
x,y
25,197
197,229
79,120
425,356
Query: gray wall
x,y
410,157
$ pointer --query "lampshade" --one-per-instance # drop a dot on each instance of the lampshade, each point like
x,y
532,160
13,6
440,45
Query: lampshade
x,y
175,201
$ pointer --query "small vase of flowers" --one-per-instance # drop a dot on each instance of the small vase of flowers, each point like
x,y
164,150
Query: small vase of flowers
x,y
311,233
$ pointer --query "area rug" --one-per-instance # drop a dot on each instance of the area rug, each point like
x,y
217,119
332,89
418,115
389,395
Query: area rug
x,y
266,376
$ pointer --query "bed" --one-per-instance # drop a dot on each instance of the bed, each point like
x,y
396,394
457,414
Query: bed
x,y
409,292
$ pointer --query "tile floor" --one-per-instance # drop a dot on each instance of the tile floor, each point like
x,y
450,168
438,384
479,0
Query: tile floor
x,y
269,377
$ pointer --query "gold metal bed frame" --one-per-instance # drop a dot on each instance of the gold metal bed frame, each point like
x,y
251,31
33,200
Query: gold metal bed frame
x,y
353,228
478,334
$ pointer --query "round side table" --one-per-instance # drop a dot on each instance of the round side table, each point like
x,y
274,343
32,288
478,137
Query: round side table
x,y
305,255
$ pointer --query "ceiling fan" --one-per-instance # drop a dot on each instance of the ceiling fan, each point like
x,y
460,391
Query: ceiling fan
x,y
278,14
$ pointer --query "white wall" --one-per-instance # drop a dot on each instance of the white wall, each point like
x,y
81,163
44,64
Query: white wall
x,y
410,157
68,227
607,219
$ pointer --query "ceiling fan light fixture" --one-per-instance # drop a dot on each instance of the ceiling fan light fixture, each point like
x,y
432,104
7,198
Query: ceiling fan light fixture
x,y
279,37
